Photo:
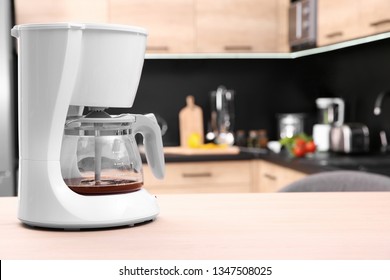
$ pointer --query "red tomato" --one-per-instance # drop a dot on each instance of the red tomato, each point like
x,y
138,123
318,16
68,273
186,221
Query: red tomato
x,y
299,142
310,147
299,150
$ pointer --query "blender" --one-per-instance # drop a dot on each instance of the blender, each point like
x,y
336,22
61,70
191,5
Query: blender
x,y
222,116
330,113
83,171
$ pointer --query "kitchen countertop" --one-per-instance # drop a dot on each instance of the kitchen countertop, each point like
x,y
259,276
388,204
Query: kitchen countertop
x,y
204,157
330,226
318,162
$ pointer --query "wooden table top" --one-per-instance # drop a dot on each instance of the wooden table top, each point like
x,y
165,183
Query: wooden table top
x,y
320,226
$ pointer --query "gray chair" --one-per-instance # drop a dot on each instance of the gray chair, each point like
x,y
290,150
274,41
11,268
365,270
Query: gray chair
x,y
340,181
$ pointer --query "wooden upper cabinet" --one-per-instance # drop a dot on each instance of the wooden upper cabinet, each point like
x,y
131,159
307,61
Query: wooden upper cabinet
x,y
170,23
342,20
45,11
217,26
374,16
282,23
236,25
177,26
338,20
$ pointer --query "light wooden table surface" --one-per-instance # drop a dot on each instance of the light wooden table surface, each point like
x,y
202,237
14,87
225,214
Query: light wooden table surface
x,y
319,226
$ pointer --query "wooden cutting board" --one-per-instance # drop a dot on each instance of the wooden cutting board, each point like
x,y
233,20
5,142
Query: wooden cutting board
x,y
190,121
201,151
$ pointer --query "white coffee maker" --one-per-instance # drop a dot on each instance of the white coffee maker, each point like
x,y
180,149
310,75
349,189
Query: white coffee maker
x,y
64,68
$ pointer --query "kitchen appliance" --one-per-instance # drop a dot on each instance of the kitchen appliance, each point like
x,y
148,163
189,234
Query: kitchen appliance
x,y
350,138
83,171
8,162
302,24
290,125
222,116
330,113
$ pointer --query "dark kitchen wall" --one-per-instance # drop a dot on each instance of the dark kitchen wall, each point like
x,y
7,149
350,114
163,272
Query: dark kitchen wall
x,y
263,88
358,74
266,87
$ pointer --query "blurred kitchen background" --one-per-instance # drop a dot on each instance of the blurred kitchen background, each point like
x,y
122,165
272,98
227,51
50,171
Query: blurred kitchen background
x,y
194,46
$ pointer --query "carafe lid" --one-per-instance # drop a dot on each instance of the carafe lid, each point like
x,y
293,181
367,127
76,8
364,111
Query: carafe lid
x,y
111,125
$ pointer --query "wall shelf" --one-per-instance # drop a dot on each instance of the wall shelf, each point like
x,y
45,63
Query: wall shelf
x,y
291,55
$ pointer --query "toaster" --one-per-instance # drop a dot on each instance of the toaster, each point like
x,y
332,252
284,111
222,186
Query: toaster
x,y
350,138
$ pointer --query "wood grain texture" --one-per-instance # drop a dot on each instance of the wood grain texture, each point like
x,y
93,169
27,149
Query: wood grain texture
x,y
374,16
272,177
177,26
170,23
48,11
338,20
234,150
236,25
282,30
202,177
222,226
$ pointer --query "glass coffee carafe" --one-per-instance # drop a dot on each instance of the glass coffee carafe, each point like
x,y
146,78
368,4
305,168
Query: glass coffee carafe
x,y
100,155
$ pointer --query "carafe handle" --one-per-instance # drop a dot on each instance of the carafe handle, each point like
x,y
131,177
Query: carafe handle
x,y
340,108
148,127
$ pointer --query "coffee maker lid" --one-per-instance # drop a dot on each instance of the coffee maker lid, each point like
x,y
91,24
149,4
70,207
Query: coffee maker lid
x,y
113,125
84,26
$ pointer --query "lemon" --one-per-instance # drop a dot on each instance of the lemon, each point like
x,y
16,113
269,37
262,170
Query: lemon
x,y
194,140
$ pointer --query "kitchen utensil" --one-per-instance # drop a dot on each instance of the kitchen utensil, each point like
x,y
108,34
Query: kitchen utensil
x,y
190,122
274,146
350,138
222,115
290,125
330,113
83,171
